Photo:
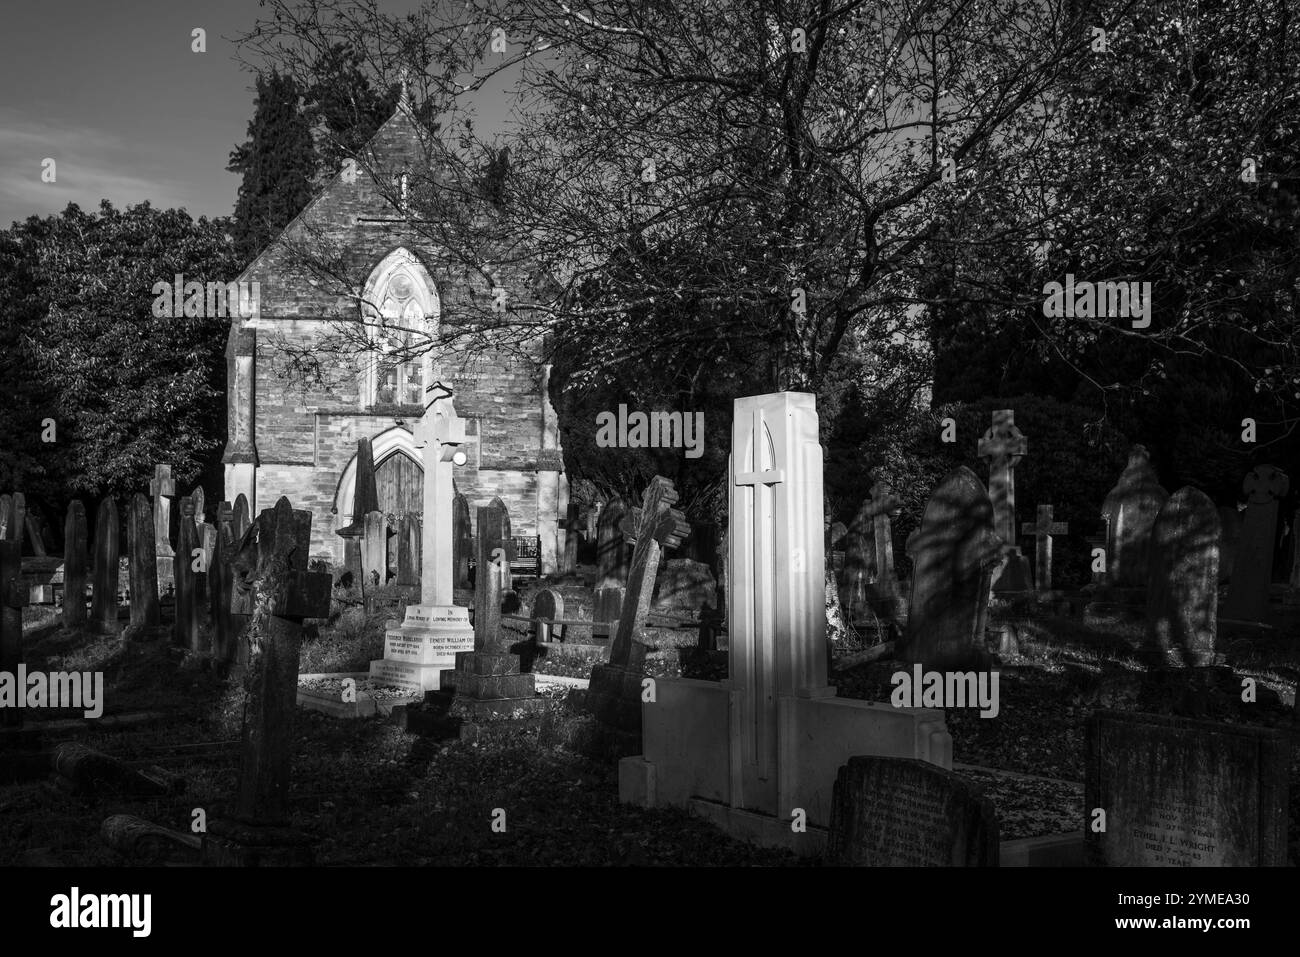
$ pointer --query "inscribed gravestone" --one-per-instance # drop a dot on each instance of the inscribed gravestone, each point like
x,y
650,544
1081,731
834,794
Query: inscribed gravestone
x,y
1129,512
953,554
1184,793
901,812
1247,598
1183,593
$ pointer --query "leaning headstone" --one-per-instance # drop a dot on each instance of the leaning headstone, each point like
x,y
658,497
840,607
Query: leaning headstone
x,y
1252,571
1177,792
163,489
13,596
1003,446
1129,512
74,567
614,694
1043,530
953,552
143,555
462,541
900,812
611,546
547,606
1183,589
274,586
103,605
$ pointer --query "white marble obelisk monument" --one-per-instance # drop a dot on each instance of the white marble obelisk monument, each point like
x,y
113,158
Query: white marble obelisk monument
x,y
434,630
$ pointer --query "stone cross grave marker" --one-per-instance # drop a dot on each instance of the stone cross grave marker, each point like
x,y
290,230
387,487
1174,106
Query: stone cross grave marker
x,y
1043,530
1003,446
1183,584
434,631
74,567
571,524
1252,572
163,489
953,555
103,605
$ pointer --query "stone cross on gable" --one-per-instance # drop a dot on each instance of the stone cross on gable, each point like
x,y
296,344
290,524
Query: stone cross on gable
x,y
1002,446
1043,530
654,526
440,433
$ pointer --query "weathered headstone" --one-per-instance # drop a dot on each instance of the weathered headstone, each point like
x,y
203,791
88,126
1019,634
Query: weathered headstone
x,y
103,606
374,551
571,524
274,586
74,567
162,489
611,547
1003,446
488,679
953,555
200,504
1178,792
13,596
187,631
614,694
1043,530
900,812
1183,589
605,609
747,752
462,539
1252,571
425,645
143,556
408,550
547,606
1129,512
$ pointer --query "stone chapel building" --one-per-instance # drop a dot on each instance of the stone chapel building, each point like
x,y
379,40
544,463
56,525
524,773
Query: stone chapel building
x,y
283,440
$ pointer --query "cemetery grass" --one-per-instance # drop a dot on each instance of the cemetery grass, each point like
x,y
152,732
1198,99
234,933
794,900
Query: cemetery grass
x,y
1030,758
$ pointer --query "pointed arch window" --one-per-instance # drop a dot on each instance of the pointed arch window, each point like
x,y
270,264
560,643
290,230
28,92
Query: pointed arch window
x,y
400,308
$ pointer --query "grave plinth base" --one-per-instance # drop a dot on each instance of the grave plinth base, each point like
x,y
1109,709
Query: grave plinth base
x,y
421,649
489,685
687,760
234,843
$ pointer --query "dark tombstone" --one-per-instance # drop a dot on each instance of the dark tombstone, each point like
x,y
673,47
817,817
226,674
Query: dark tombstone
x,y
270,569
13,596
571,524
611,547
1129,512
408,550
547,606
143,559
1183,592
1178,792
1252,573
365,499
953,555
462,541
901,812
187,632
74,567
103,606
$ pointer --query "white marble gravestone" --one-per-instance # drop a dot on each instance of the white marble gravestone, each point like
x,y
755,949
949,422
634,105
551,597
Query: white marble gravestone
x,y
433,631
749,752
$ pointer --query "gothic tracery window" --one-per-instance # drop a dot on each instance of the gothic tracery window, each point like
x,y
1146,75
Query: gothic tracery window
x,y
401,310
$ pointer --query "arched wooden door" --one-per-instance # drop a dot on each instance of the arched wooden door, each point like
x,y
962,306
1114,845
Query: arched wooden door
x,y
400,481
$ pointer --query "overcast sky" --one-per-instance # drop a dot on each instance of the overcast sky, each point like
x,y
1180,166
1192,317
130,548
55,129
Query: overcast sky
x,y
111,91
